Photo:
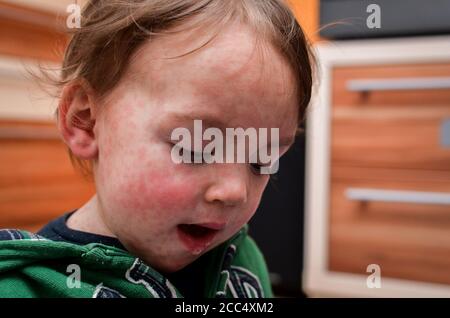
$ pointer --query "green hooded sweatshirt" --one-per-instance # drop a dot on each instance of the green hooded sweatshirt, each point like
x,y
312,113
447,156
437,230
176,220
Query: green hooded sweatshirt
x,y
32,266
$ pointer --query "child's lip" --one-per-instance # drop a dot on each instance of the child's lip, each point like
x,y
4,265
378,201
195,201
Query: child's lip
x,y
213,225
198,242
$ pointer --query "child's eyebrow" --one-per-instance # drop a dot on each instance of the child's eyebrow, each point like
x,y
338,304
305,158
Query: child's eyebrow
x,y
208,120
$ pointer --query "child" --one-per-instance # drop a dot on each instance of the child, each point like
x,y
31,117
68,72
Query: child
x,y
134,72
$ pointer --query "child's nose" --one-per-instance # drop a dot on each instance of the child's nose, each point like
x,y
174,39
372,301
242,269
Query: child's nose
x,y
229,186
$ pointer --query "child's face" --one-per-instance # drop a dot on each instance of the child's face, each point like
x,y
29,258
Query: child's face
x,y
144,196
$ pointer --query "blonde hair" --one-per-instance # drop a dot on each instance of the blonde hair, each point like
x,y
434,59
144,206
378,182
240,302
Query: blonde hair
x,y
112,30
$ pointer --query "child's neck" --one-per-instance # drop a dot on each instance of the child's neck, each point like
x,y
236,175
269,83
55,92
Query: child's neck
x,y
88,218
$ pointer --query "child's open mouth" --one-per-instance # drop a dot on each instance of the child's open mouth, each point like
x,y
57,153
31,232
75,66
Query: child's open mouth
x,y
197,237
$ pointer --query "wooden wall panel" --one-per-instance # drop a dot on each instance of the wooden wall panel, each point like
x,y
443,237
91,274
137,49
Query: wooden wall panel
x,y
307,12
30,33
37,181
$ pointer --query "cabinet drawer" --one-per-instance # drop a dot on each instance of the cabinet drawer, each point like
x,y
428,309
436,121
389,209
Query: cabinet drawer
x,y
391,85
416,137
392,116
401,224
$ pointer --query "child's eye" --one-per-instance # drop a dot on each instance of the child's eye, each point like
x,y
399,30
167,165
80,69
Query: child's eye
x,y
189,156
196,157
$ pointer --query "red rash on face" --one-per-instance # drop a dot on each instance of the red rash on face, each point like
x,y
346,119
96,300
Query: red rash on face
x,y
144,194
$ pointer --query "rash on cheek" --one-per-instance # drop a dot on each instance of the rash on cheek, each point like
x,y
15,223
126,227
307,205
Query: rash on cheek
x,y
156,192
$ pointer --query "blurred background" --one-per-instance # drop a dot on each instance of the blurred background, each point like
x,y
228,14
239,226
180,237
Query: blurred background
x,y
361,204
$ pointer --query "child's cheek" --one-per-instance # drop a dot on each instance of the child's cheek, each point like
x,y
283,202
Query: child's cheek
x,y
155,191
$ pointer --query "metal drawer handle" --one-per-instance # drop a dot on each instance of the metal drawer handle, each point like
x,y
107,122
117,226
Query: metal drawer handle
x,y
366,195
398,84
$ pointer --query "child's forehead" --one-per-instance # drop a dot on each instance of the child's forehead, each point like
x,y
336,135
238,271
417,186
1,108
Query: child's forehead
x,y
183,40
227,79
233,57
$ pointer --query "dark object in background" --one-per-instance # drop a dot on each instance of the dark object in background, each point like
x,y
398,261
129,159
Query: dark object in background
x,y
398,18
277,226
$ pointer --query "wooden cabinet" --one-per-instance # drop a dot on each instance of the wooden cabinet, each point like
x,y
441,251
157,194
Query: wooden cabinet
x,y
379,169
37,180
388,127
31,33
388,162
408,240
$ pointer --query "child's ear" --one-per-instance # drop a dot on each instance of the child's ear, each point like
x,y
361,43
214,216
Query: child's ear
x,y
76,119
